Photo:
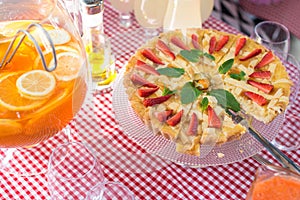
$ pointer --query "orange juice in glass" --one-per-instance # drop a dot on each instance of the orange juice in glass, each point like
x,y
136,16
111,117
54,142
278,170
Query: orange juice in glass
x,y
38,99
274,183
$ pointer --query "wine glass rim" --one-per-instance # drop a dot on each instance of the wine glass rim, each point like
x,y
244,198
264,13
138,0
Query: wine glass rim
x,y
65,145
286,30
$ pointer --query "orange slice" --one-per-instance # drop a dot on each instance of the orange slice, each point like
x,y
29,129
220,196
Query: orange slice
x,y
36,84
68,66
11,99
9,127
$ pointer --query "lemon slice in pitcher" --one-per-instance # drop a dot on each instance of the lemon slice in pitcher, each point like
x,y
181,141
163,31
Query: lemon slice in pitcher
x,y
36,84
68,66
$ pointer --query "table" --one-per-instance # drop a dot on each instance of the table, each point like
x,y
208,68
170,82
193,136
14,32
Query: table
x,y
148,177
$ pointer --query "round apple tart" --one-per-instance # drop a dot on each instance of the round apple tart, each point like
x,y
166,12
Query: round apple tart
x,y
181,86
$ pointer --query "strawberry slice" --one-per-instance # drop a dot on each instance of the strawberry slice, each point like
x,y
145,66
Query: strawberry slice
x,y
138,80
146,91
175,119
148,53
195,41
160,45
178,42
240,43
222,42
146,68
163,115
193,126
261,74
213,119
260,100
269,57
266,88
252,54
212,44
156,100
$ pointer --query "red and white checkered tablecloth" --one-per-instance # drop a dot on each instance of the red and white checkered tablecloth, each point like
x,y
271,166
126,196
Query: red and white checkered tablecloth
x,y
147,176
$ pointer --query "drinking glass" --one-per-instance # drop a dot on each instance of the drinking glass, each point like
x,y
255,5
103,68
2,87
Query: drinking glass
x,y
124,7
44,79
110,190
273,182
288,138
273,35
150,15
72,171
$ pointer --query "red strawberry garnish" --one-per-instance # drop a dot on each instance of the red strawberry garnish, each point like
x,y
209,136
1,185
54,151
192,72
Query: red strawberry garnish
x,y
269,57
261,74
193,126
266,88
178,42
253,53
240,43
148,53
138,80
195,41
213,119
146,68
212,44
146,91
175,119
165,49
260,100
163,115
156,100
222,42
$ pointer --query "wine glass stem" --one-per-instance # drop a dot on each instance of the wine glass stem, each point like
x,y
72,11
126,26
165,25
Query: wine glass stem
x,y
125,19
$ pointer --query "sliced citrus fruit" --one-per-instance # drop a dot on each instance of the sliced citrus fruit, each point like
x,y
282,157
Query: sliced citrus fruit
x,y
11,99
49,56
36,84
9,127
9,29
68,66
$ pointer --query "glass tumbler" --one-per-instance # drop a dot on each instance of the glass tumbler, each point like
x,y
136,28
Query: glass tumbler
x,y
110,190
72,171
274,183
273,35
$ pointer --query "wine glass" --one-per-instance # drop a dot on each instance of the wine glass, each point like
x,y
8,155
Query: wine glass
x,y
44,79
288,138
150,15
124,7
72,171
273,35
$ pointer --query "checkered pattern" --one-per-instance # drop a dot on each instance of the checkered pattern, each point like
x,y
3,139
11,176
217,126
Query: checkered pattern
x,y
147,176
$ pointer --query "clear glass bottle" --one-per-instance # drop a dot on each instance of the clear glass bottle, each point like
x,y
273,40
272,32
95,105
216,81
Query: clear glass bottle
x,y
97,43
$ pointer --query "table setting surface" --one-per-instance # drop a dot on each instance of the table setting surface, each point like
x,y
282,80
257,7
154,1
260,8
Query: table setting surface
x,y
123,160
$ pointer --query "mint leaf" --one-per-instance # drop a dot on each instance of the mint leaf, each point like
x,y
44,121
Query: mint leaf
x,y
209,56
189,93
194,54
167,91
204,104
226,66
225,99
171,71
239,76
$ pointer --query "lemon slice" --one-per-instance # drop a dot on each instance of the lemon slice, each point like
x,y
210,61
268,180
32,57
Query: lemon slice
x,y
36,84
10,97
48,55
59,36
68,66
